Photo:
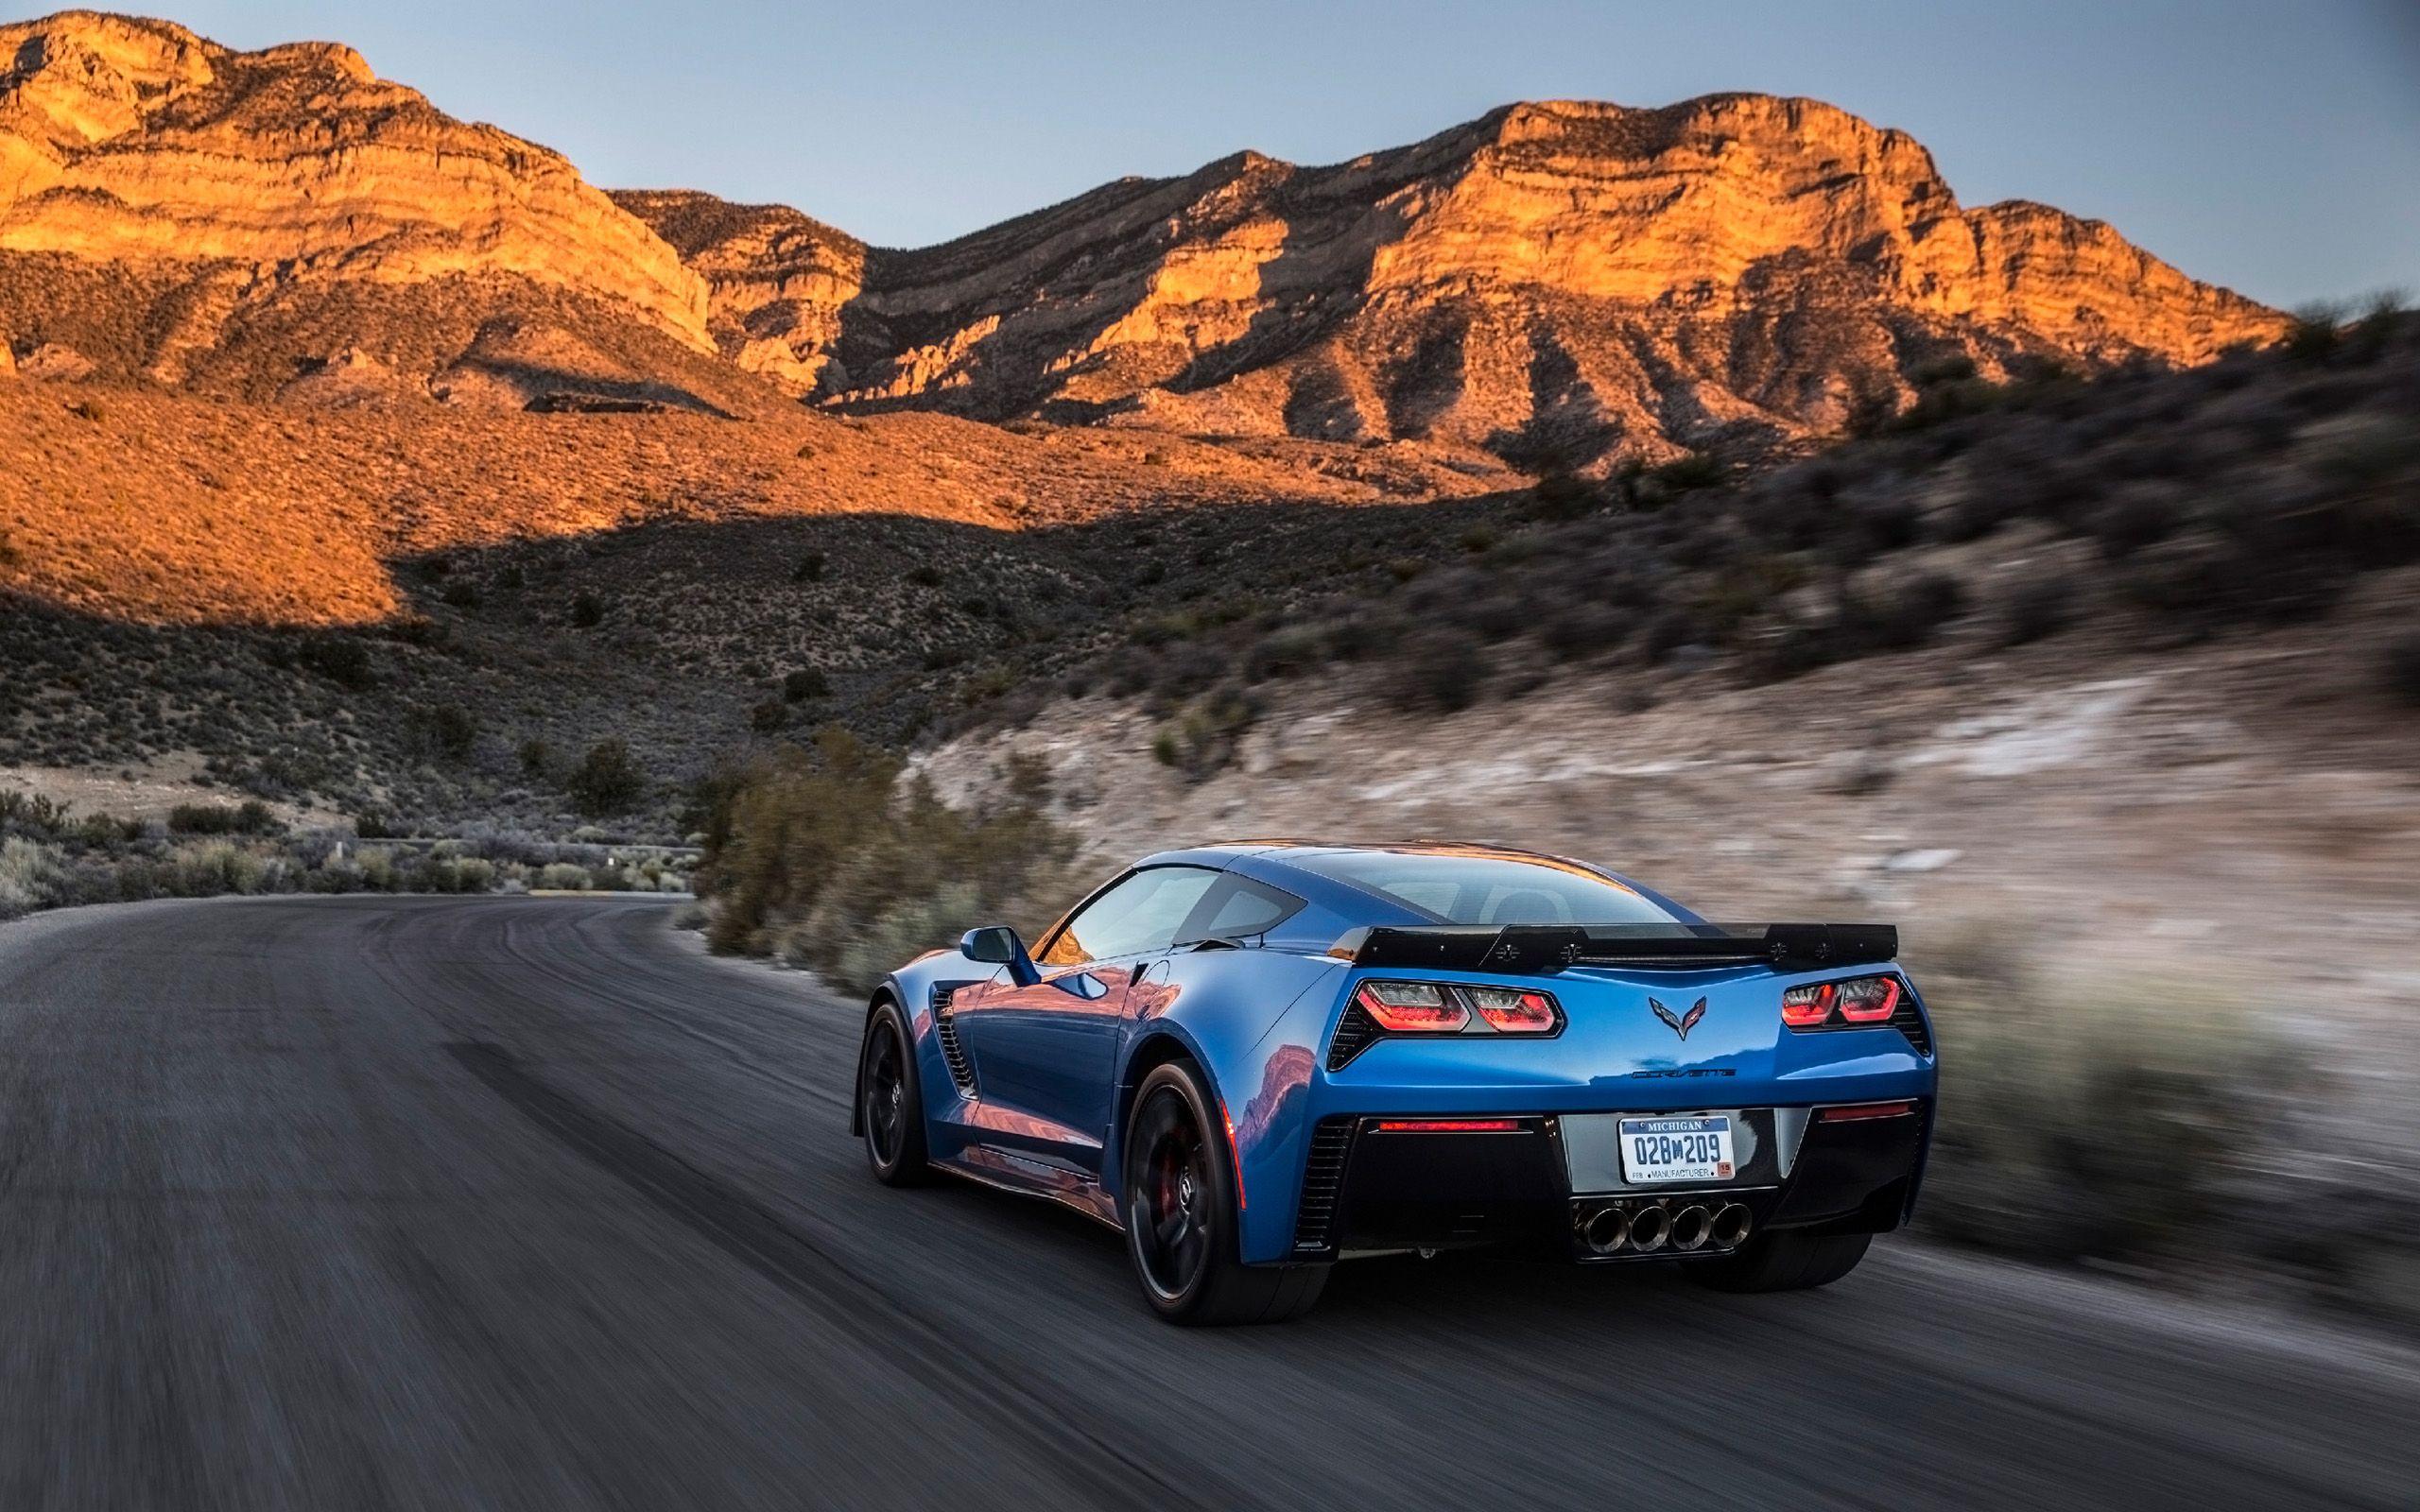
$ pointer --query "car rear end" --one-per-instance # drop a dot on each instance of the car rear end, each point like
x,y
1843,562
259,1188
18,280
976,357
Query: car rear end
x,y
1616,1095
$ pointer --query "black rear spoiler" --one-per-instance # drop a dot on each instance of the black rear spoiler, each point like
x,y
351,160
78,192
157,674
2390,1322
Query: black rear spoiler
x,y
1544,949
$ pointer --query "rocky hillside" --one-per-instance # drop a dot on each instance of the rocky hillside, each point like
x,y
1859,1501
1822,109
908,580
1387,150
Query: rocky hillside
x,y
1559,285
1557,282
179,212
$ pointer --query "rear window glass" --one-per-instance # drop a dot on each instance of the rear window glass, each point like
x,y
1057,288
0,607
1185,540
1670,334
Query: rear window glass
x,y
1454,889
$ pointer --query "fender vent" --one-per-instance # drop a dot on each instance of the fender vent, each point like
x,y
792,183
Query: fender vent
x,y
1323,1183
946,1032
1909,1023
1355,1032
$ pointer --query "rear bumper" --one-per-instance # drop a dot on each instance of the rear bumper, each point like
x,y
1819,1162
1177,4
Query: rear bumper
x,y
1367,1189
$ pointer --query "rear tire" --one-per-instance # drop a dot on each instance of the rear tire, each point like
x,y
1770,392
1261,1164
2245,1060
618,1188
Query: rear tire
x,y
1783,1262
891,1104
1181,1216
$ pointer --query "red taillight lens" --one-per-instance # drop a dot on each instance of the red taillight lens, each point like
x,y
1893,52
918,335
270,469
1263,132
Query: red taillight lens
x,y
1860,1000
1869,999
1449,1126
1413,1008
1860,1112
1511,1010
1803,1007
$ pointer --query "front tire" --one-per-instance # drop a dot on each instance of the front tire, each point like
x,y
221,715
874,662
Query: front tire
x,y
1783,1262
1181,1214
890,1105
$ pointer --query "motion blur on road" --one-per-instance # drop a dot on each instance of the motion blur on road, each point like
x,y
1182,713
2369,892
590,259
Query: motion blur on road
x,y
375,1202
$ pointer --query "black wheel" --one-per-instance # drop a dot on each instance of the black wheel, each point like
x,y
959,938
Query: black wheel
x,y
1181,1216
1782,1262
891,1110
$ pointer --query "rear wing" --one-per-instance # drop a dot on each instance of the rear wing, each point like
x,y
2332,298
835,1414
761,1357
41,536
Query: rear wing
x,y
1544,949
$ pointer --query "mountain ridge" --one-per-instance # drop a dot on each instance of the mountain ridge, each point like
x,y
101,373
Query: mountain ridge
x,y
1561,283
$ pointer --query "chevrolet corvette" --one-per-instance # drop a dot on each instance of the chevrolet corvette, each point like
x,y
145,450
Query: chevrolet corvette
x,y
1257,1059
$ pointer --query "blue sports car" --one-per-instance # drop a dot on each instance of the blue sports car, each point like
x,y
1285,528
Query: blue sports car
x,y
1257,1059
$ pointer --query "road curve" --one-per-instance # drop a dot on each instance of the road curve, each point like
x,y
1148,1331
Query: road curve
x,y
525,1202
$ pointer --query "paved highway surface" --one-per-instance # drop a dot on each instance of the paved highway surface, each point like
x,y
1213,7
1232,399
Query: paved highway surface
x,y
362,1203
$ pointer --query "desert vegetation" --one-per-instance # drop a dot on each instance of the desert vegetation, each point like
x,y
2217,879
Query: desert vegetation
x,y
824,857
2172,507
53,857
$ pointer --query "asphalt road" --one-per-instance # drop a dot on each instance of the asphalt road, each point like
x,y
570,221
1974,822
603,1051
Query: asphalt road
x,y
364,1203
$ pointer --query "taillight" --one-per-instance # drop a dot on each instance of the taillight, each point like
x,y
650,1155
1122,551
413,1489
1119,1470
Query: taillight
x,y
1413,1008
1442,1007
1858,1000
1512,1010
1804,1007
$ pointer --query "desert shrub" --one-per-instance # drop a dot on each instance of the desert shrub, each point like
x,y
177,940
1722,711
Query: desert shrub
x,y
2037,606
692,914
2125,1121
925,575
1440,668
587,611
32,876
1284,653
88,410
339,659
767,717
562,876
448,728
1563,496
461,594
804,683
827,857
1205,734
606,781
251,817
537,757
1697,469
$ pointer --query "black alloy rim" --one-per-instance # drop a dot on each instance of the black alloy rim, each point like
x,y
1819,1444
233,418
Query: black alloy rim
x,y
1169,1200
886,1095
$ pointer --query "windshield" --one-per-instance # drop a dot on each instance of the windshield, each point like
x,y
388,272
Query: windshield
x,y
1468,889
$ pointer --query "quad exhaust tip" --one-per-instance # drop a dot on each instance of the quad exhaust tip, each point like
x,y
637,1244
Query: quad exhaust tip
x,y
1613,1230
1732,1224
1608,1229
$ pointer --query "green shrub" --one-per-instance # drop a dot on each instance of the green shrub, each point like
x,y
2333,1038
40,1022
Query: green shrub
x,y
562,876
606,781
2117,1120
826,858
32,876
251,817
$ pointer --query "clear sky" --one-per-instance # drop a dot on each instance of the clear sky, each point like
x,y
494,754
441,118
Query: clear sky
x,y
2269,146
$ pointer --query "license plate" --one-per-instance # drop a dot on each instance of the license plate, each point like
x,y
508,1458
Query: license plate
x,y
1677,1149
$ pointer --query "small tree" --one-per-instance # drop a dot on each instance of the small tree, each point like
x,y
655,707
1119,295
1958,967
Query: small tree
x,y
606,781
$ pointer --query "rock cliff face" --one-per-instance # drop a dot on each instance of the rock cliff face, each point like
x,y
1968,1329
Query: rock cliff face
x,y
1559,282
229,177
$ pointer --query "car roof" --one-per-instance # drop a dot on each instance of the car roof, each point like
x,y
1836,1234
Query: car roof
x,y
1279,861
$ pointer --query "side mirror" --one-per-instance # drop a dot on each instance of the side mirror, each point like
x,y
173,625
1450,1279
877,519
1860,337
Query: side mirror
x,y
998,945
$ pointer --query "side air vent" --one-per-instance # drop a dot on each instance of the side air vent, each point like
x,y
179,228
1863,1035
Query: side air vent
x,y
1355,1032
1909,1023
946,1032
1323,1182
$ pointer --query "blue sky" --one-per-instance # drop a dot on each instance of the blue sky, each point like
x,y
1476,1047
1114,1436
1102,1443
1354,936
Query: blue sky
x,y
2274,147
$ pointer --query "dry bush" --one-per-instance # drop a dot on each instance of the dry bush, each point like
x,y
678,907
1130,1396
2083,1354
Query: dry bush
x,y
828,859
2097,1116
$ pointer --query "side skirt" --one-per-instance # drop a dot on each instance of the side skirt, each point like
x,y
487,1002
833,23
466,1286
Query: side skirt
x,y
1027,1177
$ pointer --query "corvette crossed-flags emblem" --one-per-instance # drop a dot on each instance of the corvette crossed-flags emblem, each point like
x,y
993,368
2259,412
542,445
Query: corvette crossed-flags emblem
x,y
1681,1022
